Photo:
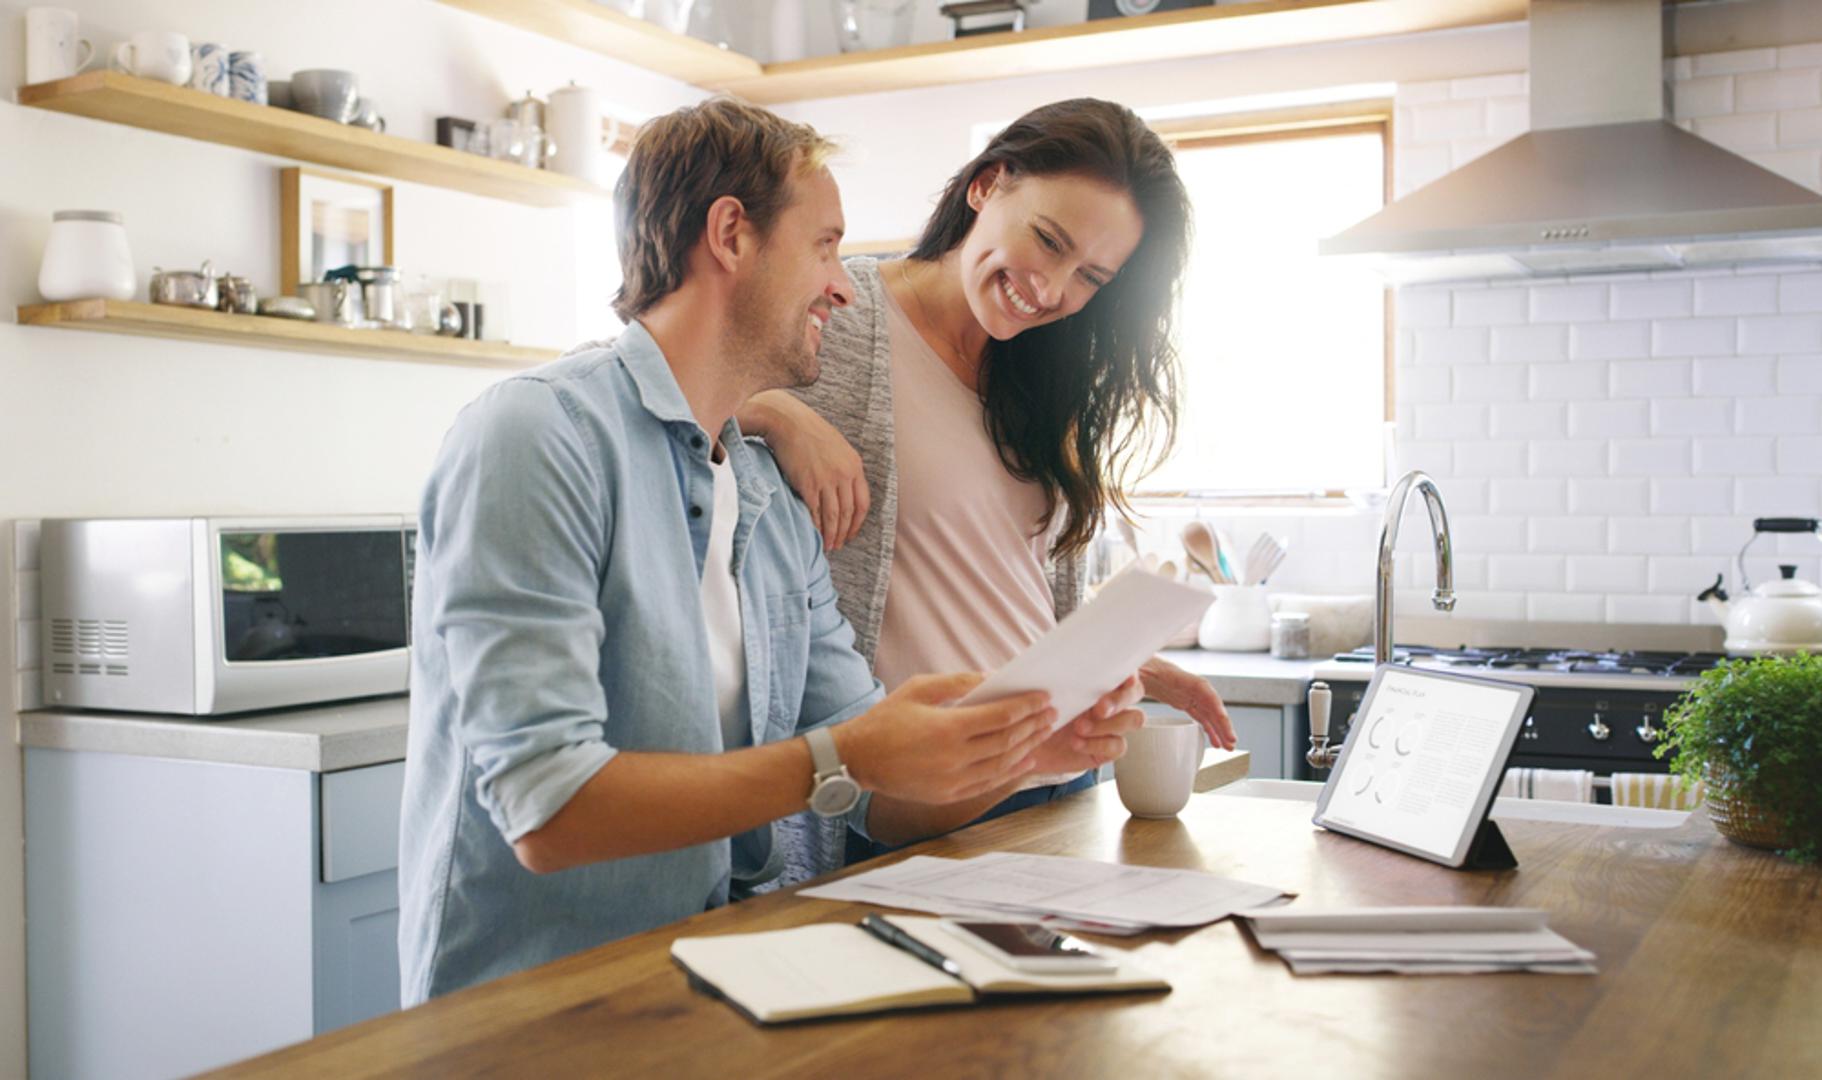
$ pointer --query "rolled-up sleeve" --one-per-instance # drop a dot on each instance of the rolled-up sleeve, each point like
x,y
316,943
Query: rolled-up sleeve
x,y
517,521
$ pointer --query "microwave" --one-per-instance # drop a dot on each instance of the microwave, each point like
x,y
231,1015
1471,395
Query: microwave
x,y
208,616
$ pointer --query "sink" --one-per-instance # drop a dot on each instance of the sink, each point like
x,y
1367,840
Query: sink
x,y
1504,809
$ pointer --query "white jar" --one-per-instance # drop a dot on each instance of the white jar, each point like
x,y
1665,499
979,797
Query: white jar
x,y
1240,620
87,257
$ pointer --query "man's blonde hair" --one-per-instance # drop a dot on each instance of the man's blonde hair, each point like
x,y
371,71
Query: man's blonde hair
x,y
680,164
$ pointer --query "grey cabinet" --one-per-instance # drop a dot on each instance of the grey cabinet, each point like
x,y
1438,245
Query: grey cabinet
x,y
181,915
1268,732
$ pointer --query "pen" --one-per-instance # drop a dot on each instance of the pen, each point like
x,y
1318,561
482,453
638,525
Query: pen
x,y
897,938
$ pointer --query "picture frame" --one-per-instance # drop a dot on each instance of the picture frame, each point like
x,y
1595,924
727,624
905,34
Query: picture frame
x,y
327,220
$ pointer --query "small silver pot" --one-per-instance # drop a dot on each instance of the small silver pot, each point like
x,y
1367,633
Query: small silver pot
x,y
186,288
336,302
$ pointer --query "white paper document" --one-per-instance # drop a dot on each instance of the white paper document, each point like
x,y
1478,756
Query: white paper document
x,y
1099,645
1417,940
1106,897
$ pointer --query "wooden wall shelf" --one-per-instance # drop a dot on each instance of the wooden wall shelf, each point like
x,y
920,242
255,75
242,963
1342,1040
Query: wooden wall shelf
x,y
1165,35
601,29
267,332
177,110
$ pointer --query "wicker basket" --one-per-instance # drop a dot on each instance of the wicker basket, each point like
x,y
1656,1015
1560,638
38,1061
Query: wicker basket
x,y
1741,820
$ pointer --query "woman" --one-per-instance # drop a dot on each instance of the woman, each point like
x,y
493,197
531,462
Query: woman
x,y
994,391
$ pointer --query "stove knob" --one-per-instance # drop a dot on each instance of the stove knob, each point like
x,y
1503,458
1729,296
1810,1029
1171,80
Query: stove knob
x,y
1647,733
1530,731
1599,729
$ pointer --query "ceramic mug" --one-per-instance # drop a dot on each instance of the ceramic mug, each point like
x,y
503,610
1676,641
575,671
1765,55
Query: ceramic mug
x,y
155,54
52,49
1158,771
209,69
247,77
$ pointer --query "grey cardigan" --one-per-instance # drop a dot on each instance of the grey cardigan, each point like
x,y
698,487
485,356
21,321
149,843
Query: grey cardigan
x,y
854,392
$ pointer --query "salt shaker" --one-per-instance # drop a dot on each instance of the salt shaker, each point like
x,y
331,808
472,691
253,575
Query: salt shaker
x,y
1291,635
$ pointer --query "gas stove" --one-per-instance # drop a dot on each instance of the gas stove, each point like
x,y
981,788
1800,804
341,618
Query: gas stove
x,y
1594,709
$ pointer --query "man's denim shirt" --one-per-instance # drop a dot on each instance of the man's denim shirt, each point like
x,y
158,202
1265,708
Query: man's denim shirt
x,y
557,621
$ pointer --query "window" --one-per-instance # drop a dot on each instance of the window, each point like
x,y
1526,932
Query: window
x,y
1284,353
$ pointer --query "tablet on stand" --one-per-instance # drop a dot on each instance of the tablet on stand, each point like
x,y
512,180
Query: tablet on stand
x,y
1422,764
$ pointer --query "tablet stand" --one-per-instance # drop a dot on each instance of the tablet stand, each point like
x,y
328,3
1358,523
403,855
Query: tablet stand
x,y
1489,851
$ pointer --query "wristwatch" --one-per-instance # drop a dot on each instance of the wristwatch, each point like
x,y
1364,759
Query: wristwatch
x,y
834,792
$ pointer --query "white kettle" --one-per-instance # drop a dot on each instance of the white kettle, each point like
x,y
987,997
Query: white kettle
x,y
1780,617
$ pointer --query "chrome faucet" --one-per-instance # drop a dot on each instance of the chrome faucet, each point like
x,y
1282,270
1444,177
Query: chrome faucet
x,y
1444,596
1321,755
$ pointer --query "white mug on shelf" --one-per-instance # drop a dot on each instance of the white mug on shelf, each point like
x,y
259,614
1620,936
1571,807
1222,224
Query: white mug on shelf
x,y
52,49
155,54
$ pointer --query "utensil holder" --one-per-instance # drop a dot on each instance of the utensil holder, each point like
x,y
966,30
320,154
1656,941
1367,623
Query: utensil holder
x,y
1240,620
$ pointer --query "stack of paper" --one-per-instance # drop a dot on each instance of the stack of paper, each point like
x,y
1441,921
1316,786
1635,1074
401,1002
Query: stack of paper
x,y
1079,894
1417,940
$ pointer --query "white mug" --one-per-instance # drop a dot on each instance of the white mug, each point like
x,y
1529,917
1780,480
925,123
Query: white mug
x,y
155,54
52,49
1158,771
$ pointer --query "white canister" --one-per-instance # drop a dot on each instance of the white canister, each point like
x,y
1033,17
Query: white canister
x,y
575,122
86,257
52,49
1240,620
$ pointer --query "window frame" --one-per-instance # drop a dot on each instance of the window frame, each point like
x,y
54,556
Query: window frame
x,y
1300,122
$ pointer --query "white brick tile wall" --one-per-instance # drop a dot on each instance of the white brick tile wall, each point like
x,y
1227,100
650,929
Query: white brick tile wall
x,y
1585,379
1649,378
1605,573
1736,377
1490,307
1762,334
1735,61
1536,420
1503,458
1610,341
1604,441
1695,495
1580,303
1609,419
1690,416
1737,295
1564,607
1566,535
1733,457
1652,299
1693,337
1496,382
1798,414
1667,535
1536,344
1649,457
1603,495
1529,495
1568,458
1773,90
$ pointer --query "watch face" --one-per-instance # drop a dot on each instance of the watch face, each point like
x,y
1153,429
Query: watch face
x,y
835,796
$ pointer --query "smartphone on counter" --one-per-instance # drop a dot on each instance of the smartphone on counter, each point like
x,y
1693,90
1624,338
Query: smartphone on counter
x,y
1031,947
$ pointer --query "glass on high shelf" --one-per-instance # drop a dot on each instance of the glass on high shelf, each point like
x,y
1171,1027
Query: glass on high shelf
x,y
862,25
635,8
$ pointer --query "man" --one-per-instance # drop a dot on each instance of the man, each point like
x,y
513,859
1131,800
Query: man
x,y
624,623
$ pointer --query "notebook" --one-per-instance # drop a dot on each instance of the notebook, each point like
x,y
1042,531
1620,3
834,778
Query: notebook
x,y
838,969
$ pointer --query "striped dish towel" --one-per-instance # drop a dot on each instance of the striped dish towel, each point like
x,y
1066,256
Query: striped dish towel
x,y
1657,791
1560,785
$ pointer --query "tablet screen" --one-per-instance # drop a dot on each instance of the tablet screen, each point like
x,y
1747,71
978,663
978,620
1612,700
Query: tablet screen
x,y
1422,760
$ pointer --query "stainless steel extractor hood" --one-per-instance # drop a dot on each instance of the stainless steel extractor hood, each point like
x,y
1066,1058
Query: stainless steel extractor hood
x,y
1601,183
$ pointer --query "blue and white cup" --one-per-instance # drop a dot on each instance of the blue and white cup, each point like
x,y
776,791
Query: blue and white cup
x,y
247,77
209,69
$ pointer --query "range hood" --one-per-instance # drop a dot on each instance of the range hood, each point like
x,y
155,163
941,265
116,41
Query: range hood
x,y
1601,183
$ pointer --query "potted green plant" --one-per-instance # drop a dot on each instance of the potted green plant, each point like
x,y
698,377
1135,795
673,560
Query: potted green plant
x,y
1751,730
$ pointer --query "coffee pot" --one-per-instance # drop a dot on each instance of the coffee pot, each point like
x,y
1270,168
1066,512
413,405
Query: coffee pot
x,y
1779,617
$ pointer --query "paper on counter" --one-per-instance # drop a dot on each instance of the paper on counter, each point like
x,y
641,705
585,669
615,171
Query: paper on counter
x,y
1099,645
1020,886
1417,940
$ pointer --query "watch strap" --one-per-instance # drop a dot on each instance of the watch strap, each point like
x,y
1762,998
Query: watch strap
x,y
824,759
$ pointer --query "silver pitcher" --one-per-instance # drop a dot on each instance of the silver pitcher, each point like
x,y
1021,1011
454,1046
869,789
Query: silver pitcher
x,y
382,295
336,302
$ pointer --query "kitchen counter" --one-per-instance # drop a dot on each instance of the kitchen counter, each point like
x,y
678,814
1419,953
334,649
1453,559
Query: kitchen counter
x,y
1707,954
325,738
1254,678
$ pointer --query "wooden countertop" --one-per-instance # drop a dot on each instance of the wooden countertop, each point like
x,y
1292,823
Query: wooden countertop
x,y
1710,958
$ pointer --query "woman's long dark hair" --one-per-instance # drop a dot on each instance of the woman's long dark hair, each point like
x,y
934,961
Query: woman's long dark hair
x,y
1085,405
